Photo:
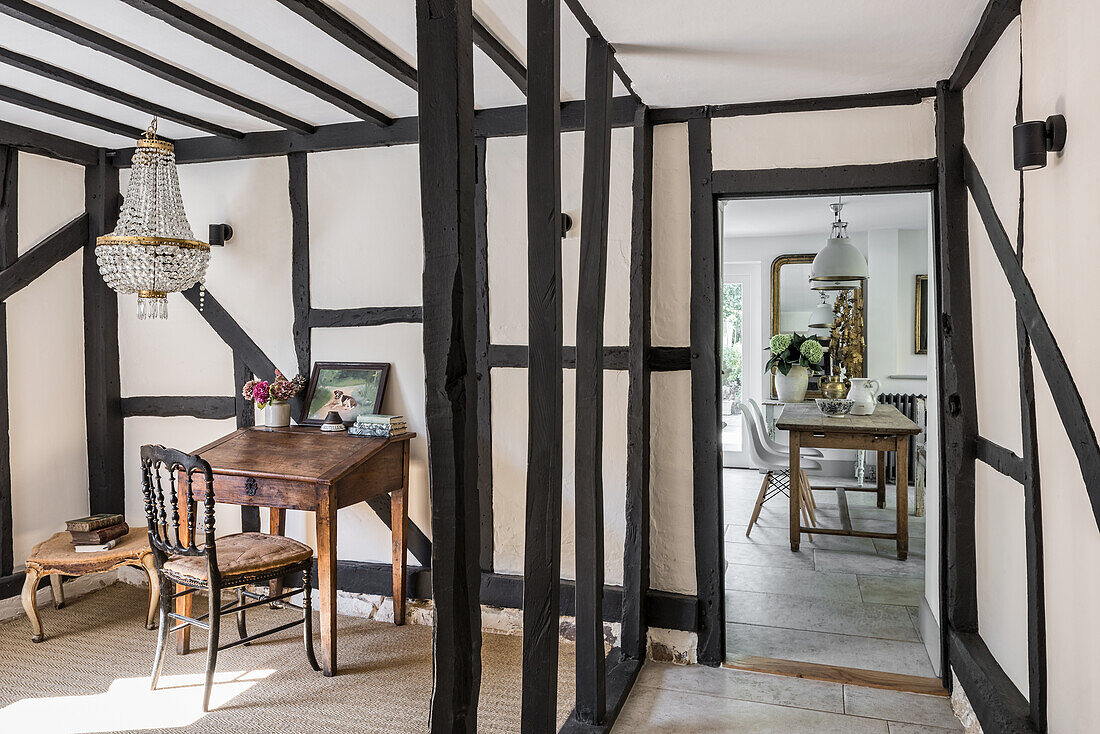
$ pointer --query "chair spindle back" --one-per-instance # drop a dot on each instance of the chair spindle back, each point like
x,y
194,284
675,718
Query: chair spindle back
x,y
164,537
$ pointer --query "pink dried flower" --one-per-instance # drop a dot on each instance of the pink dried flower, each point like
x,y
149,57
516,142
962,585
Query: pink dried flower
x,y
260,393
247,390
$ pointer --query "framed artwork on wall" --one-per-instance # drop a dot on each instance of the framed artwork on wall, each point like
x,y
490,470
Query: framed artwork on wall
x,y
920,316
350,388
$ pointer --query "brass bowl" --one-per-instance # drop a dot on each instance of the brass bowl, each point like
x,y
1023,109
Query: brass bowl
x,y
833,387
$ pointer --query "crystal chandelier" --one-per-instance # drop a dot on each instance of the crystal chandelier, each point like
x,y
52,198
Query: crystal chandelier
x,y
152,251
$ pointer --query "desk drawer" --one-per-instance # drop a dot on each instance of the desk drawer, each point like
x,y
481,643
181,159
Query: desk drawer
x,y
829,440
261,492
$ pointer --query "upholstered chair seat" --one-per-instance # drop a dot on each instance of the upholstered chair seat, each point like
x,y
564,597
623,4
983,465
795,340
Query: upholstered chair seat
x,y
242,558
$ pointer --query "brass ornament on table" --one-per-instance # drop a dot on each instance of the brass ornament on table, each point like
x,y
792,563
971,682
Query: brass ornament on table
x,y
152,251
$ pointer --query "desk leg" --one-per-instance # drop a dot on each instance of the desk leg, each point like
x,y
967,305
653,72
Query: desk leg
x,y
903,497
881,475
277,527
795,489
399,536
185,602
326,580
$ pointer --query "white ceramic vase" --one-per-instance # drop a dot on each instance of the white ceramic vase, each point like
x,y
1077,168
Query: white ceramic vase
x,y
277,414
791,387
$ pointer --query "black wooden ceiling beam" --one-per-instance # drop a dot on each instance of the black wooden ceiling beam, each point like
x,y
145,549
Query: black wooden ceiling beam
x,y
501,56
355,38
231,43
40,18
809,104
47,144
593,31
57,74
56,109
996,17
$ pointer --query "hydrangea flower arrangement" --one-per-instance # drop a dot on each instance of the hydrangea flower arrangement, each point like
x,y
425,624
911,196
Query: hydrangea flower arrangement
x,y
789,350
280,389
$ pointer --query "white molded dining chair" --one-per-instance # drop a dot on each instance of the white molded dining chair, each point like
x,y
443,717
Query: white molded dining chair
x,y
758,414
775,467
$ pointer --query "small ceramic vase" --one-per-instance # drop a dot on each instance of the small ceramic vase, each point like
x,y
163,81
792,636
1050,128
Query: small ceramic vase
x,y
277,414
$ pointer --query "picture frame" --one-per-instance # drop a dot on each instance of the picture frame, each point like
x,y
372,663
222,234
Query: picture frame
x,y
351,388
920,316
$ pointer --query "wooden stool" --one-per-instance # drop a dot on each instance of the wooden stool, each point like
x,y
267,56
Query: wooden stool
x,y
55,558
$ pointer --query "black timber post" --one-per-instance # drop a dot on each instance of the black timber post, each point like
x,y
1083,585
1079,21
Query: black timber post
x,y
705,408
9,251
958,408
245,416
542,557
447,180
484,369
103,395
299,257
636,544
591,290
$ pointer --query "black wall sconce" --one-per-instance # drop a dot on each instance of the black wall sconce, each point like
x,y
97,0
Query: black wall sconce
x,y
1031,141
566,224
220,234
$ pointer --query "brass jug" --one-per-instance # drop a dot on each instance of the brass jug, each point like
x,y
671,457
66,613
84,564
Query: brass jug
x,y
833,387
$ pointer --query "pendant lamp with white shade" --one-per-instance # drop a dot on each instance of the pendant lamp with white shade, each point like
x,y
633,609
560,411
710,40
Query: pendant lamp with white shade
x,y
839,260
822,315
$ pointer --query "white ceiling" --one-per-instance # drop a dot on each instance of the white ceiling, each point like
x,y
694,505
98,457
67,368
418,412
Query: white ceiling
x,y
678,53
811,214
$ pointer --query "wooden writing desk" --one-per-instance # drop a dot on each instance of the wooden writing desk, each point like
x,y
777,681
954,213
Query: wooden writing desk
x,y
885,430
302,468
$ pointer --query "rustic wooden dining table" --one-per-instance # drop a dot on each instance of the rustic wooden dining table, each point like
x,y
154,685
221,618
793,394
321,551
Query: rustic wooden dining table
x,y
302,468
885,430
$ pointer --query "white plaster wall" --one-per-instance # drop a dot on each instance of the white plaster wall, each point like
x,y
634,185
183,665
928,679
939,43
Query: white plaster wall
x,y
1002,570
1061,74
506,166
49,449
509,390
826,138
671,218
671,497
51,194
365,234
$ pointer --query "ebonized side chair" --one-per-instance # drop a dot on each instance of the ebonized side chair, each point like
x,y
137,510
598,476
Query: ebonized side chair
x,y
232,561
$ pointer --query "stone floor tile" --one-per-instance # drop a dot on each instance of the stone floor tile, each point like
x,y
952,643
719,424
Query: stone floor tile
x,y
744,685
910,708
823,615
831,561
905,591
794,581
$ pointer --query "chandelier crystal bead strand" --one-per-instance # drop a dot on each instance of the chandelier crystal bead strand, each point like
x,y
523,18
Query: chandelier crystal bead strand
x,y
152,251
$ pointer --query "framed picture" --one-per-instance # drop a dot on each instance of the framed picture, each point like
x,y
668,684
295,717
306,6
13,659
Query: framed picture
x,y
920,316
351,388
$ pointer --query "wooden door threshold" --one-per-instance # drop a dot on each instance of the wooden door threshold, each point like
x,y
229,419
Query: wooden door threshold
x,y
838,674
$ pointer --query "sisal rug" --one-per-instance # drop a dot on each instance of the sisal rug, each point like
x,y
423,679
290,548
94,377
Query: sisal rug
x,y
91,674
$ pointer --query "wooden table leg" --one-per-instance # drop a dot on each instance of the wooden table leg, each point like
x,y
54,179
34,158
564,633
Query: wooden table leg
x,y
794,491
57,591
184,603
881,475
150,566
326,580
903,497
277,527
399,537
30,586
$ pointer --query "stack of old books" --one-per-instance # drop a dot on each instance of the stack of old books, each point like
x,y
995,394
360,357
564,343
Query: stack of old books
x,y
97,532
379,426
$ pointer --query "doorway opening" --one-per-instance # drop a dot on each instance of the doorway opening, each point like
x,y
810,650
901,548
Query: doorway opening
x,y
841,602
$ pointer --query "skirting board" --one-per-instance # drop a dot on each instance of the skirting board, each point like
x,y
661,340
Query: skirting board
x,y
930,633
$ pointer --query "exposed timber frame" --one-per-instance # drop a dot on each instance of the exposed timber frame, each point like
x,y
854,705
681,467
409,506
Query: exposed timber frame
x,y
495,49
40,18
103,389
483,365
447,182
591,300
9,252
995,18
233,44
64,76
810,104
211,407
542,556
593,32
64,112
